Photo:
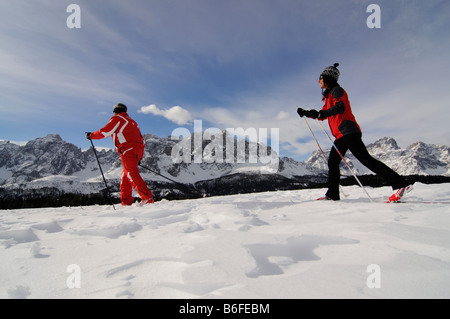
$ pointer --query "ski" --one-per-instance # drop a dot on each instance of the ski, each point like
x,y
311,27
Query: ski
x,y
397,196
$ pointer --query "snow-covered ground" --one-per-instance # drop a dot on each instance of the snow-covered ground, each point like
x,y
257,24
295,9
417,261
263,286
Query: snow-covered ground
x,y
263,245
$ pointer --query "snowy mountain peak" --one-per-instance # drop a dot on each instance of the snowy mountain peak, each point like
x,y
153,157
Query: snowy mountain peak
x,y
417,159
386,144
48,139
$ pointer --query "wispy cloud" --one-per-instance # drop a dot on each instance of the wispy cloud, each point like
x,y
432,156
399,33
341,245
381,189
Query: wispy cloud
x,y
42,58
175,114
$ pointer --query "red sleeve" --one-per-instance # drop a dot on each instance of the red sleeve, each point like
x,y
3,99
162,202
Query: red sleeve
x,y
108,130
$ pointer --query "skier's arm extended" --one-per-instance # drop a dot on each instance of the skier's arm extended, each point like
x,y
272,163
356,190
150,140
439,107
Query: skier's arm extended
x,y
106,131
338,108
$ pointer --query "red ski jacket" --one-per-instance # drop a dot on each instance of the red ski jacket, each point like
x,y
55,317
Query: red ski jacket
x,y
124,132
338,111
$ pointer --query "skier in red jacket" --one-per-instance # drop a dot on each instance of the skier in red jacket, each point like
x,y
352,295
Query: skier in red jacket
x,y
348,135
129,143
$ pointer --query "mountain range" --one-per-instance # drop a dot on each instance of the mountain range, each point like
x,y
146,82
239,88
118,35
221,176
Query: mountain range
x,y
49,165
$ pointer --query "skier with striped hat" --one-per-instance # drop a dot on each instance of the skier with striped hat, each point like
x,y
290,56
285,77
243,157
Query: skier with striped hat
x,y
348,135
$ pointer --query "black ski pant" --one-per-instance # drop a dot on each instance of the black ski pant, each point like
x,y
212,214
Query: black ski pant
x,y
354,143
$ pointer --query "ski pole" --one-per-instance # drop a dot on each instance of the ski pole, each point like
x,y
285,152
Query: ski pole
x,y
175,182
354,175
104,180
323,154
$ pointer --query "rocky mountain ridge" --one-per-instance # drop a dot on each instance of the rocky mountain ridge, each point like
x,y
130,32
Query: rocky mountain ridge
x,y
55,165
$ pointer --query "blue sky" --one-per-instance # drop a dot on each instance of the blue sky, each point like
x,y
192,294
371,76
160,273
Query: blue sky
x,y
229,63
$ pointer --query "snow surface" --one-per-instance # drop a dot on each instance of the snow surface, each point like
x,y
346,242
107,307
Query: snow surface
x,y
272,245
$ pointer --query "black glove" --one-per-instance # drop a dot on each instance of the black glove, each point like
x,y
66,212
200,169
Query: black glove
x,y
308,113
312,114
88,135
301,112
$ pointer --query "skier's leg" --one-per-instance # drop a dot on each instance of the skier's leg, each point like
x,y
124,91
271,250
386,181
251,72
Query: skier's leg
x,y
130,160
334,174
359,150
126,191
